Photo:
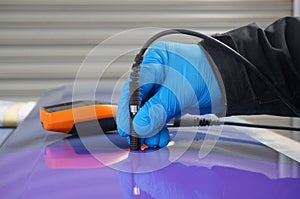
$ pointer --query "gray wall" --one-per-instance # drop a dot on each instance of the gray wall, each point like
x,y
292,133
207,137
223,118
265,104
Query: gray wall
x,y
43,42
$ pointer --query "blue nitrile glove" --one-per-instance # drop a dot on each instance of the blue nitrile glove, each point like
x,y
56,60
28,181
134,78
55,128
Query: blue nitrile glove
x,y
175,79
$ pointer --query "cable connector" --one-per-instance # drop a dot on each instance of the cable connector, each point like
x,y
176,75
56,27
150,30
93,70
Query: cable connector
x,y
213,120
196,120
138,59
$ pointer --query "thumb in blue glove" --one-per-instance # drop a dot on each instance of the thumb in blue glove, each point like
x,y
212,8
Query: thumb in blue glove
x,y
175,79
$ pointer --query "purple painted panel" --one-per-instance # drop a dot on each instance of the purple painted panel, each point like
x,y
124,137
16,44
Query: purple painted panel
x,y
37,164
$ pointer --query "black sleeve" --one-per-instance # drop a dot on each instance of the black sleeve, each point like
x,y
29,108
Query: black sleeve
x,y
275,52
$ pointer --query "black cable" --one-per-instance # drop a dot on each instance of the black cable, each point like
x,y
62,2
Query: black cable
x,y
228,49
264,126
135,103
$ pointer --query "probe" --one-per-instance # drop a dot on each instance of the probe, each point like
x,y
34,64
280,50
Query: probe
x,y
134,101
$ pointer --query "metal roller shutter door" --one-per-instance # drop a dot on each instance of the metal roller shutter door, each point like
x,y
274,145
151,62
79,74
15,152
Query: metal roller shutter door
x,y
42,42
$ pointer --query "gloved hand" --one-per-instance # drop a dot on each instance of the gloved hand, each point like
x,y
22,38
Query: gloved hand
x,y
175,79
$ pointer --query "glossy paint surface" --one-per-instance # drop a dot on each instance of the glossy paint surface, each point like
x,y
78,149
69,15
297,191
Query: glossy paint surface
x,y
40,164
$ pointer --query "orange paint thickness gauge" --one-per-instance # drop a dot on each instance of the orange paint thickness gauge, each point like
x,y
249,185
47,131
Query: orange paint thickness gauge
x,y
63,117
